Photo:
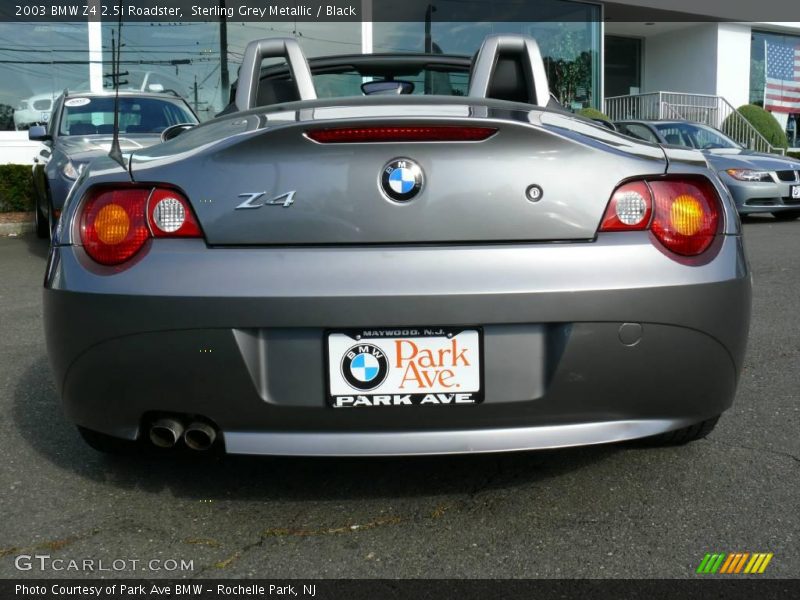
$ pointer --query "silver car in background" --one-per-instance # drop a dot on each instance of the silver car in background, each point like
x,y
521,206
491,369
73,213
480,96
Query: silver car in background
x,y
397,273
759,183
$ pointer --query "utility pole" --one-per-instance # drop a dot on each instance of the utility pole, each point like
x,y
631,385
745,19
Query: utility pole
x,y
223,55
428,43
196,102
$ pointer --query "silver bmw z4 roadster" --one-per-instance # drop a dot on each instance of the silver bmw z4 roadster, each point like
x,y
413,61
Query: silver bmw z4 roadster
x,y
396,255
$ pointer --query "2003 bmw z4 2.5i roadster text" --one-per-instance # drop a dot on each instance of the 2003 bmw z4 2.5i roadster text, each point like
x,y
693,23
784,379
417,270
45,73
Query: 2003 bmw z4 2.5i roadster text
x,y
435,258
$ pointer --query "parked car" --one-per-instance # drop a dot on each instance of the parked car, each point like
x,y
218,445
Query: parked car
x,y
33,111
390,273
82,129
758,182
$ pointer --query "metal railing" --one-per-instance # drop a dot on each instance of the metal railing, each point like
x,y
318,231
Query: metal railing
x,y
700,108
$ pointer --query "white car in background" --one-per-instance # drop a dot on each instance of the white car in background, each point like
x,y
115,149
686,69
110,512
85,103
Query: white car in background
x,y
34,111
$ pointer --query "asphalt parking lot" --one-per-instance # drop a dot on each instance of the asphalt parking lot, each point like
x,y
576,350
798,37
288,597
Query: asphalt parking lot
x,y
614,511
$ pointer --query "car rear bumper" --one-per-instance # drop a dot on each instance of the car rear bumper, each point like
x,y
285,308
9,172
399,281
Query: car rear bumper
x,y
583,342
461,441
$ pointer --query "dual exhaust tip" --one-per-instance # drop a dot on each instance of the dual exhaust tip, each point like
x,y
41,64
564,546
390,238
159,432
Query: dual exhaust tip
x,y
166,432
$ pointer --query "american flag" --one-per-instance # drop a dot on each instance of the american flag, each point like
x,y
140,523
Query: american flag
x,y
782,88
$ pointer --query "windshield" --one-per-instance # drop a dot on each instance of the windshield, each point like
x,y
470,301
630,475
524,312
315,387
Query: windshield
x,y
694,136
441,81
92,116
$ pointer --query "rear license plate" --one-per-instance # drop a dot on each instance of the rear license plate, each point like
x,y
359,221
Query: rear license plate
x,y
795,192
405,367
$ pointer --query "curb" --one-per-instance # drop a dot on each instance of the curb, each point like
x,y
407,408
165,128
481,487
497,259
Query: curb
x,y
15,229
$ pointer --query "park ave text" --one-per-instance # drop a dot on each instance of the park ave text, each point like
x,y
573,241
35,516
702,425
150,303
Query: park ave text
x,y
167,590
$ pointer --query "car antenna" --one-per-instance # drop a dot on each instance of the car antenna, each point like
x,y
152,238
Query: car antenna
x,y
115,153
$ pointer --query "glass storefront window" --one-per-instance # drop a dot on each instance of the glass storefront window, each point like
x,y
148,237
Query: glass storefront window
x,y
39,60
623,66
570,49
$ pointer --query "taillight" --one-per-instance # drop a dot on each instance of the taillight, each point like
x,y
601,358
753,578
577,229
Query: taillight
x,y
115,223
682,213
433,133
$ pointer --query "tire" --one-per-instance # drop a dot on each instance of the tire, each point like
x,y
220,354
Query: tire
x,y
683,436
42,223
106,443
786,215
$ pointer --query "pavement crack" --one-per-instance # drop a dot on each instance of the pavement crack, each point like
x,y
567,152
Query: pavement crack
x,y
755,449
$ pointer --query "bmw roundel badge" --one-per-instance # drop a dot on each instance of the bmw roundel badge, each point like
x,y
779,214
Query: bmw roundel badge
x,y
364,367
401,179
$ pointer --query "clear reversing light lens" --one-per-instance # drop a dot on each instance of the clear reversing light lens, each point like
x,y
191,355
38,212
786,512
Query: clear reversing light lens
x,y
631,207
169,215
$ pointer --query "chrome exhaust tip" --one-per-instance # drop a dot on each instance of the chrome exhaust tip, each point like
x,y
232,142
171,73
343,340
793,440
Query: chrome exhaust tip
x,y
166,432
199,436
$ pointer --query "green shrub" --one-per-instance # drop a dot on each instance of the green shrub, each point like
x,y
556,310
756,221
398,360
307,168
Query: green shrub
x,y
764,123
793,154
593,113
16,188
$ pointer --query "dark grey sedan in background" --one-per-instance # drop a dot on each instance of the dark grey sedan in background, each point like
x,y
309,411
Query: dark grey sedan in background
x,y
758,182
462,269
80,130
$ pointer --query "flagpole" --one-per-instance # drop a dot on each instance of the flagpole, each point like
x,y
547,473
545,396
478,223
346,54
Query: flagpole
x,y
766,70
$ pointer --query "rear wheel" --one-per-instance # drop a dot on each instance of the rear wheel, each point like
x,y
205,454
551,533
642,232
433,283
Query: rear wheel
x,y
106,443
786,215
683,436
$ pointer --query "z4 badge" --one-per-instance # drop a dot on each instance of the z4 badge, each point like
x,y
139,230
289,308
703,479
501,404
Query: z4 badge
x,y
256,200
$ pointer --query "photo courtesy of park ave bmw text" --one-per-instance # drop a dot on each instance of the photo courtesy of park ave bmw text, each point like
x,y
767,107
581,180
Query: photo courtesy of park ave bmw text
x,y
323,299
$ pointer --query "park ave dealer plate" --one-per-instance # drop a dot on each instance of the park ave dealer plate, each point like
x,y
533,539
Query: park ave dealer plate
x,y
404,367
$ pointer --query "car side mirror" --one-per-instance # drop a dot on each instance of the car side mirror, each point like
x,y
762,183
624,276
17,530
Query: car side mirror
x,y
175,130
38,133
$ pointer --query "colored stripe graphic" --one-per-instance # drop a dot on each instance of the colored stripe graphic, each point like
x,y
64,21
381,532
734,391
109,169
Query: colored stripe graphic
x,y
711,563
734,563
758,563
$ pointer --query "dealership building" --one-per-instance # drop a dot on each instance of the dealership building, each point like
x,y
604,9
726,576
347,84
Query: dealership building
x,y
629,58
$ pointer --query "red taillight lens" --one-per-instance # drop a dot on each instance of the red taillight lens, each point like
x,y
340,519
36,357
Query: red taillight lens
x,y
687,215
683,214
115,223
436,133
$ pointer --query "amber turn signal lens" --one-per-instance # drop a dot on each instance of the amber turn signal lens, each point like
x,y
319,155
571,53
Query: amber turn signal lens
x,y
112,224
686,215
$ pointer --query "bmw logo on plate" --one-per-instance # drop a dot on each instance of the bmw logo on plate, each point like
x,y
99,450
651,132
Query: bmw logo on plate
x,y
401,179
364,367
